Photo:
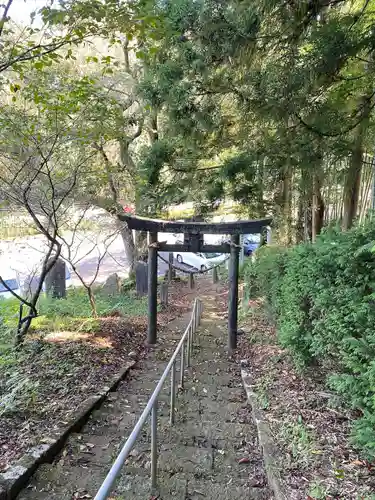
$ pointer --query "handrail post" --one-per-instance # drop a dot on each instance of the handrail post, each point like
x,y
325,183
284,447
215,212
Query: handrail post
x,y
182,369
188,347
173,393
196,316
154,447
193,321
191,343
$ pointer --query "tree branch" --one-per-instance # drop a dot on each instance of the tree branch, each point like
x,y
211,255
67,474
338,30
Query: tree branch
x,y
5,16
18,297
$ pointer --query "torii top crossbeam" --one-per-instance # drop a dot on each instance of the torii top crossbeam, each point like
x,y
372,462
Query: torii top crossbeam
x,y
162,226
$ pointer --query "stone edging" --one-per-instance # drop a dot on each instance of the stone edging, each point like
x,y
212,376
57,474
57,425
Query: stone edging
x,y
269,449
16,477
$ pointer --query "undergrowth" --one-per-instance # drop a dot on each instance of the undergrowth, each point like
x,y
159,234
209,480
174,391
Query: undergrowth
x,y
322,297
72,313
19,368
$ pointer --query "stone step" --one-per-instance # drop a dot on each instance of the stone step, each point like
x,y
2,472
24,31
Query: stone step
x,y
211,490
205,433
86,450
129,404
58,481
179,448
79,483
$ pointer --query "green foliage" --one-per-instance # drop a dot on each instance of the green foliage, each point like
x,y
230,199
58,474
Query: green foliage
x,y
299,440
318,490
19,392
270,264
71,313
76,305
322,296
157,156
244,90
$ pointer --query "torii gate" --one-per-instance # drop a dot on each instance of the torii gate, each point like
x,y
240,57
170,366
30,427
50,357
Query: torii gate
x,y
193,242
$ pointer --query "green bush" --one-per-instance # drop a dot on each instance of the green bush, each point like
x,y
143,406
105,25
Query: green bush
x,y
264,275
323,298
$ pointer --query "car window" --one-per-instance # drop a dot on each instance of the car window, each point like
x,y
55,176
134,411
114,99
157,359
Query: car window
x,y
12,284
252,238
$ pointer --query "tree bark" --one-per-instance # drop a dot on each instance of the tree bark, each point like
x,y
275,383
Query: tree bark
x,y
300,220
365,192
318,206
91,295
286,233
153,133
260,201
126,233
353,176
351,187
128,240
305,201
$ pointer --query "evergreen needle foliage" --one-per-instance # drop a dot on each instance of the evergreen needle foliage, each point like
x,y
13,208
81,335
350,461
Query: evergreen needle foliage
x,y
323,298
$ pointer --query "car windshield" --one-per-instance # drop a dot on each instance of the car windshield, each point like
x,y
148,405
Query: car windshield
x,y
12,284
252,238
212,255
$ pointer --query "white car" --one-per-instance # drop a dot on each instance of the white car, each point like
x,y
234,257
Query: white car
x,y
18,283
200,261
12,283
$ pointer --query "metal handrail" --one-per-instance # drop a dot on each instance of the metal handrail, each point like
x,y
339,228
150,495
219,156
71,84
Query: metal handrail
x,y
151,407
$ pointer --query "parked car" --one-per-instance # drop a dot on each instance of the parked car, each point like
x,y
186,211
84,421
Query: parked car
x,y
20,283
12,282
250,243
200,261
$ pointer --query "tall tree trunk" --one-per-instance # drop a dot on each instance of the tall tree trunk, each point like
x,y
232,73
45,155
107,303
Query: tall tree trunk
x,y
317,204
328,210
353,176
365,192
306,192
153,133
141,243
128,240
260,200
352,185
126,233
300,219
286,212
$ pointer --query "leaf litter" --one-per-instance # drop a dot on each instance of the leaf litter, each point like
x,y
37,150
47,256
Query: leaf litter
x,y
310,428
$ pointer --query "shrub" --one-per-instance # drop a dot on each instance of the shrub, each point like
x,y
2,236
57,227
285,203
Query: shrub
x,y
265,274
323,298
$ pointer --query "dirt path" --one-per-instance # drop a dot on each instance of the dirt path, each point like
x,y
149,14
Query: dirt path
x,y
211,452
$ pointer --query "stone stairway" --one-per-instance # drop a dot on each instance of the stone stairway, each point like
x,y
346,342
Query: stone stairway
x,y
211,452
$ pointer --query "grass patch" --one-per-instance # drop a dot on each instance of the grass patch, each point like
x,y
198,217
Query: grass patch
x,y
318,490
263,387
72,313
76,305
300,442
12,232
